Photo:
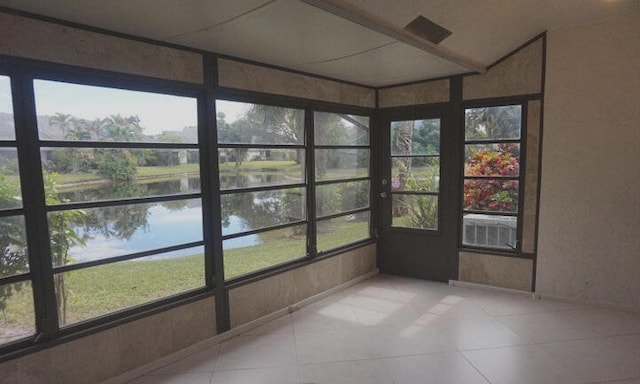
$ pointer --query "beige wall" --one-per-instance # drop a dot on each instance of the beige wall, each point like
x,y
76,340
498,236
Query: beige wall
x,y
105,354
252,301
421,93
32,39
589,242
239,75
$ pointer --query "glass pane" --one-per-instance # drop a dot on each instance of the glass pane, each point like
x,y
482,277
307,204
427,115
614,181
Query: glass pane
x,y
246,123
340,129
101,233
335,164
13,245
415,137
490,231
415,174
492,160
493,123
254,167
7,125
491,195
341,197
251,253
248,211
18,314
87,293
10,195
96,174
81,112
415,211
342,230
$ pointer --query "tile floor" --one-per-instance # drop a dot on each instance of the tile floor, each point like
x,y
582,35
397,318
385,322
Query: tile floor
x,y
397,330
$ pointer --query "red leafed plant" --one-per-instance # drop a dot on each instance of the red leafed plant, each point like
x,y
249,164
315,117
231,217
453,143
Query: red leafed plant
x,y
492,194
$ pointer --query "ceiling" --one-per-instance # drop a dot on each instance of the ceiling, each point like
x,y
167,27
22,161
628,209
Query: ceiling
x,y
361,41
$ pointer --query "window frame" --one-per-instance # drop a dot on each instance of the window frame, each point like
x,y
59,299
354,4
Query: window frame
x,y
522,142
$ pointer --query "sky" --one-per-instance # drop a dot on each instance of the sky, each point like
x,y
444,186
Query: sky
x,y
5,95
157,112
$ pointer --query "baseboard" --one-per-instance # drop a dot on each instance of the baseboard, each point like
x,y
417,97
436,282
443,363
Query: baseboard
x,y
200,346
491,288
591,303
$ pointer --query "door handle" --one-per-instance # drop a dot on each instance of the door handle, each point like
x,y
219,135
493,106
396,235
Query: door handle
x,y
383,194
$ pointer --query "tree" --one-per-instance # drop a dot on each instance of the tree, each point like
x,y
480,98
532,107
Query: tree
x,y
13,244
63,236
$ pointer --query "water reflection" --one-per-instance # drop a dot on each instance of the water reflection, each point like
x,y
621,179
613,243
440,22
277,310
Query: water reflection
x,y
98,192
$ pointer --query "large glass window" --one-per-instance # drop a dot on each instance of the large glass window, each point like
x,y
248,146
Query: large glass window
x,y
121,172
263,186
492,177
17,319
342,179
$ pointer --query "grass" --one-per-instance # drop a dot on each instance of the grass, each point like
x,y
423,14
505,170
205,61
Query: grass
x,y
104,289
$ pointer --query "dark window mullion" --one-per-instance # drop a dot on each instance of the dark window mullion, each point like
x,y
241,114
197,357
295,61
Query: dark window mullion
x,y
265,229
342,181
261,188
344,213
115,259
37,229
312,228
121,202
115,144
493,141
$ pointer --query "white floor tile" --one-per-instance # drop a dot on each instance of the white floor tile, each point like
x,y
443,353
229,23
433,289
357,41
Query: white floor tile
x,y
595,360
257,351
346,372
450,368
478,334
201,362
276,375
545,327
604,322
522,365
183,378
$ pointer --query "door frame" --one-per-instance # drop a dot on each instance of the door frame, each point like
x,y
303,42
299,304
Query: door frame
x,y
443,241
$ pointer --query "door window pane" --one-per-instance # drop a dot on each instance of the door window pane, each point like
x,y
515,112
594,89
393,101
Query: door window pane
x,y
90,292
77,112
423,175
415,211
493,123
340,129
251,253
247,123
18,315
415,137
260,167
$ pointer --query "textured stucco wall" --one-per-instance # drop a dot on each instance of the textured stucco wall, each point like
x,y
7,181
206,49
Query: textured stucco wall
x,y
252,301
422,93
100,356
497,271
589,241
33,39
238,75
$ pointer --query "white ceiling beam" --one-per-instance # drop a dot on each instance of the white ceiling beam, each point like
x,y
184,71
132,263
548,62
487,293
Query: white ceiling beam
x,y
380,25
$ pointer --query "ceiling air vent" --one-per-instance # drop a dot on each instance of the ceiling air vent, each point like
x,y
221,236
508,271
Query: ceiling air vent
x,y
427,29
